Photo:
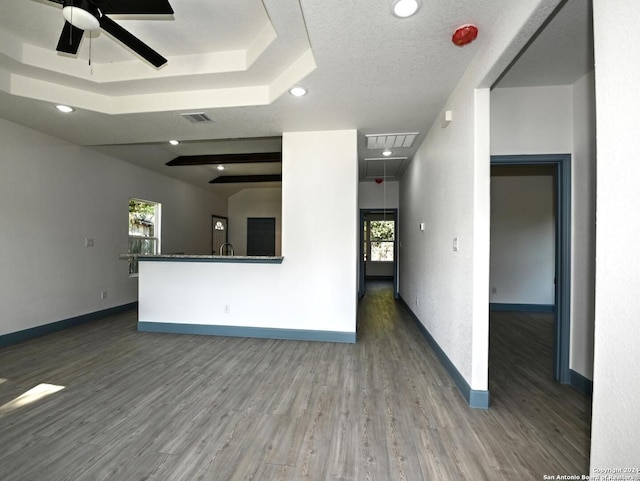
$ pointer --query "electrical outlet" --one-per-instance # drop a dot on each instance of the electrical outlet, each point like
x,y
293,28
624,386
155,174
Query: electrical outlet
x,y
494,290
88,242
103,294
227,308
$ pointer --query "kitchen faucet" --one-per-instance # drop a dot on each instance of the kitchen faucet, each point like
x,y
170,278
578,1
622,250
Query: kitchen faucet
x,y
229,248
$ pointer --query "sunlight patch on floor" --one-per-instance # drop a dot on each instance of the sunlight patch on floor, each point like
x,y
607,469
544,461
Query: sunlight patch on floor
x,y
29,397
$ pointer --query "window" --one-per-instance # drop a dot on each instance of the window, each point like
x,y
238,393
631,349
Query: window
x,y
144,231
381,240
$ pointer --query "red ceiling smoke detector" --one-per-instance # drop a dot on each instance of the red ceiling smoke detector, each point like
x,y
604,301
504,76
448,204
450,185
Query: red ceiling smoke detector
x,y
464,34
378,180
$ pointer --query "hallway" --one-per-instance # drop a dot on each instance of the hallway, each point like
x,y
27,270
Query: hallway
x,y
180,408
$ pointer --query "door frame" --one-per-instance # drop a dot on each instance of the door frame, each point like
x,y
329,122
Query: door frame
x,y
361,264
226,233
273,221
562,309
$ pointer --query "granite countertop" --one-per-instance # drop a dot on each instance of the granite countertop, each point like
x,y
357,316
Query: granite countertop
x,y
210,258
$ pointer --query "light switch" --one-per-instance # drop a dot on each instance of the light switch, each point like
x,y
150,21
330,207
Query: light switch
x,y
421,225
455,244
446,118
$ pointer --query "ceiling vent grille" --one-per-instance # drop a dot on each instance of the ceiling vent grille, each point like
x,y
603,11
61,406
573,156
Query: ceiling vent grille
x,y
196,117
391,141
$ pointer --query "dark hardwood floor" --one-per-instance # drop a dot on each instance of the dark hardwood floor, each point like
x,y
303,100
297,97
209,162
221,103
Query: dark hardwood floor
x,y
148,406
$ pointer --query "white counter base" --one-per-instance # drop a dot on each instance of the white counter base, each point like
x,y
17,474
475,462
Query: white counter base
x,y
213,296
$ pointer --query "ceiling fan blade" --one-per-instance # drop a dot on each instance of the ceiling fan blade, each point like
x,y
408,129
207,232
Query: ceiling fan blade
x,y
69,39
134,7
134,43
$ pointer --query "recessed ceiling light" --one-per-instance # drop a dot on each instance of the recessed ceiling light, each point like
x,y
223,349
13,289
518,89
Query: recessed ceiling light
x,y
405,8
64,108
174,142
298,91
386,152
220,167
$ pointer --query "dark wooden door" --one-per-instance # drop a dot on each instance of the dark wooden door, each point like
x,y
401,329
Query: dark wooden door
x,y
261,236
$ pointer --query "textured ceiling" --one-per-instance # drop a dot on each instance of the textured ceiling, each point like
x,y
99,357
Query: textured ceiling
x,y
364,68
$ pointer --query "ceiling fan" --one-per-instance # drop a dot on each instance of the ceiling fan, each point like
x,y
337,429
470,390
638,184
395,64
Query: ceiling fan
x,y
81,15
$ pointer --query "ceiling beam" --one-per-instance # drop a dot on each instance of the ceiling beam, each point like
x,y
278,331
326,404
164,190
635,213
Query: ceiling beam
x,y
237,179
250,158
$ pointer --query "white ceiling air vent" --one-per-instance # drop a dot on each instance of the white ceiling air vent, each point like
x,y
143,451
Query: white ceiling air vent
x,y
196,117
390,141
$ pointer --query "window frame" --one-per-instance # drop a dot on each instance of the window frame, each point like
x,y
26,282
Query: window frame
x,y
370,240
155,238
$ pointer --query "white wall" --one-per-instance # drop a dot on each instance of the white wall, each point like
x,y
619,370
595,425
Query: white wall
x,y
258,202
560,119
322,270
436,282
377,196
379,269
532,120
315,287
522,240
583,243
53,195
615,433
447,187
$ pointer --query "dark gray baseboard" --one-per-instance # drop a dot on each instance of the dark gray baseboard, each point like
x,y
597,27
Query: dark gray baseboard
x,y
500,306
475,398
581,383
241,331
38,331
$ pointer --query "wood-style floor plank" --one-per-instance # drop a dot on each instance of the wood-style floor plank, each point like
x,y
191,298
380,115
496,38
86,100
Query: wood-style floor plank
x,y
163,407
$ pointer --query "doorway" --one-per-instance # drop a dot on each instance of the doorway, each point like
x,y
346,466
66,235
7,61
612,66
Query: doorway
x,y
561,163
378,258
261,236
219,233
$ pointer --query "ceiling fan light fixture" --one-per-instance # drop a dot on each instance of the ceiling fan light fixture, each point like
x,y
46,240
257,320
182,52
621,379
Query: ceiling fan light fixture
x,y
220,167
405,8
65,108
298,91
81,18
174,142
386,152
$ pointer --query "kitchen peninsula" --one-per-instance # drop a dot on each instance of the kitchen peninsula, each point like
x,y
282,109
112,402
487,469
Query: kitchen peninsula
x,y
309,294
239,296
